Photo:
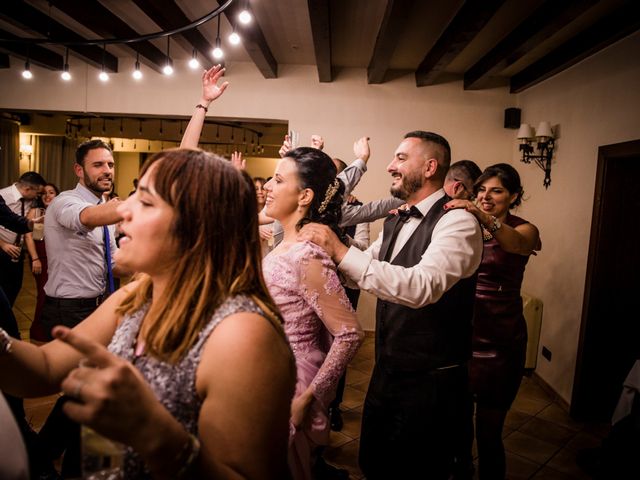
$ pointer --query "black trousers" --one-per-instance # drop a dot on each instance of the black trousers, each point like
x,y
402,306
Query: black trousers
x,y
411,423
11,274
65,312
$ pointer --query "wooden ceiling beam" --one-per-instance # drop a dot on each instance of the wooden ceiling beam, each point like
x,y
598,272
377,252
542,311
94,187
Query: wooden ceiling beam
x,y
321,31
470,19
4,61
600,35
40,56
392,23
546,20
254,41
100,20
25,16
168,16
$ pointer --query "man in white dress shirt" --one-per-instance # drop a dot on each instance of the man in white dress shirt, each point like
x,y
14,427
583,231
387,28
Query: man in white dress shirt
x,y
19,198
422,269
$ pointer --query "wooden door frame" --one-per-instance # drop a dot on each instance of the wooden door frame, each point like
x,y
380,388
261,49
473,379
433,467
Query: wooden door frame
x,y
606,154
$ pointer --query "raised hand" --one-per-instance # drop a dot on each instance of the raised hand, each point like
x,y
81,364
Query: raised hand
x,y
237,161
286,146
361,149
317,142
210,88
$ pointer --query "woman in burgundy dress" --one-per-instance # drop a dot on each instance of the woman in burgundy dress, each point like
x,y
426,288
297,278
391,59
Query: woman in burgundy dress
x,y
38,254
499,332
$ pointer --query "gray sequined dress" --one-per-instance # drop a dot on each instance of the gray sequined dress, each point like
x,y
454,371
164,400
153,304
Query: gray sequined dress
x,y
173,384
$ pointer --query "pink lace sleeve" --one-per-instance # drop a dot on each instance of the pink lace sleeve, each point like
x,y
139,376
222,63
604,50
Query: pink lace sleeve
x,y
321,288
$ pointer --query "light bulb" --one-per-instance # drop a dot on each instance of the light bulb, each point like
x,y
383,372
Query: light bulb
x,y
103,76
27,74
194,63
218,53
66,76
234,39
167,69
245,17
137,74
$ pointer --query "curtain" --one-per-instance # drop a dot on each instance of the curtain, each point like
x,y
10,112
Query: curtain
x,y
55,157
9,152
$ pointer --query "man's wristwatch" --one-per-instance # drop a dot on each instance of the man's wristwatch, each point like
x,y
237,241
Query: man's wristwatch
x,y
495,225
5,342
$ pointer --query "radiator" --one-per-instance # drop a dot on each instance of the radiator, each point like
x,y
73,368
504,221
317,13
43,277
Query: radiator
x,y
533,316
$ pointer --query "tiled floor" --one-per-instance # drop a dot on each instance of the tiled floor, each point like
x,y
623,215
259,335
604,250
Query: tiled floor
x,y
540,438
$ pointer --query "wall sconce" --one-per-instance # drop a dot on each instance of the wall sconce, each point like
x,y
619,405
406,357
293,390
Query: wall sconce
x,y
26,152
545,145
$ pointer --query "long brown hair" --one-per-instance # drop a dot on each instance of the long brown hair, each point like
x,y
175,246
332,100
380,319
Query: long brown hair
x,y
218,249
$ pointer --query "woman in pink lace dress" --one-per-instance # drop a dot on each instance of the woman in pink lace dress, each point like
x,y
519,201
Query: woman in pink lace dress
x,y
318,319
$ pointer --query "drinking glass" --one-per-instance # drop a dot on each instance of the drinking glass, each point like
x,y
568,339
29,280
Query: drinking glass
x,y
102,458
38,228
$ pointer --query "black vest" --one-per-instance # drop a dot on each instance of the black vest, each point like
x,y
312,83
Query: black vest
x,y
434,336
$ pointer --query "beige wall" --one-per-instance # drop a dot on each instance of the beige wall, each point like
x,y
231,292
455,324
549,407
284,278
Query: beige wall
x,y
127,166
595,103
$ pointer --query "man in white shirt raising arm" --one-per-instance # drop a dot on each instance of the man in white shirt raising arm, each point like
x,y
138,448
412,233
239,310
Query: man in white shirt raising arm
x,y
422,269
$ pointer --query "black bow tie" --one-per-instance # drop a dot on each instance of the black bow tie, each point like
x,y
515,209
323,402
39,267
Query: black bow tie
x,y
405,215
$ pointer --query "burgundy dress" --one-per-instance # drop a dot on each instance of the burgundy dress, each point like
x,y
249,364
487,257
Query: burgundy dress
x,y
499,329
37,331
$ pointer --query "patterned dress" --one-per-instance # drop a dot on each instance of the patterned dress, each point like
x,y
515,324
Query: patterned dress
x,y
323,332
173,384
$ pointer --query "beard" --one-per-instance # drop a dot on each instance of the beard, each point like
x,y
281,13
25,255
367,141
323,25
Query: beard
x,y
94,186
409,184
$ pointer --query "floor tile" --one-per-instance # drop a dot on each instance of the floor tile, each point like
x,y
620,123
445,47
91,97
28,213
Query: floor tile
x,y
352,397
548,473
530,447
530,405
515,418
345,456
352,420
519,467
337,439
565,461
548,431
556,414
583,440
356,376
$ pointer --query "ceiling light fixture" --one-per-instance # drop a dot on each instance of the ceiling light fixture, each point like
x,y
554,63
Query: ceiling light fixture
x,y
194,63
234,38
218,53
65,75
103,74
168,68
245,16
137,74
26,73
